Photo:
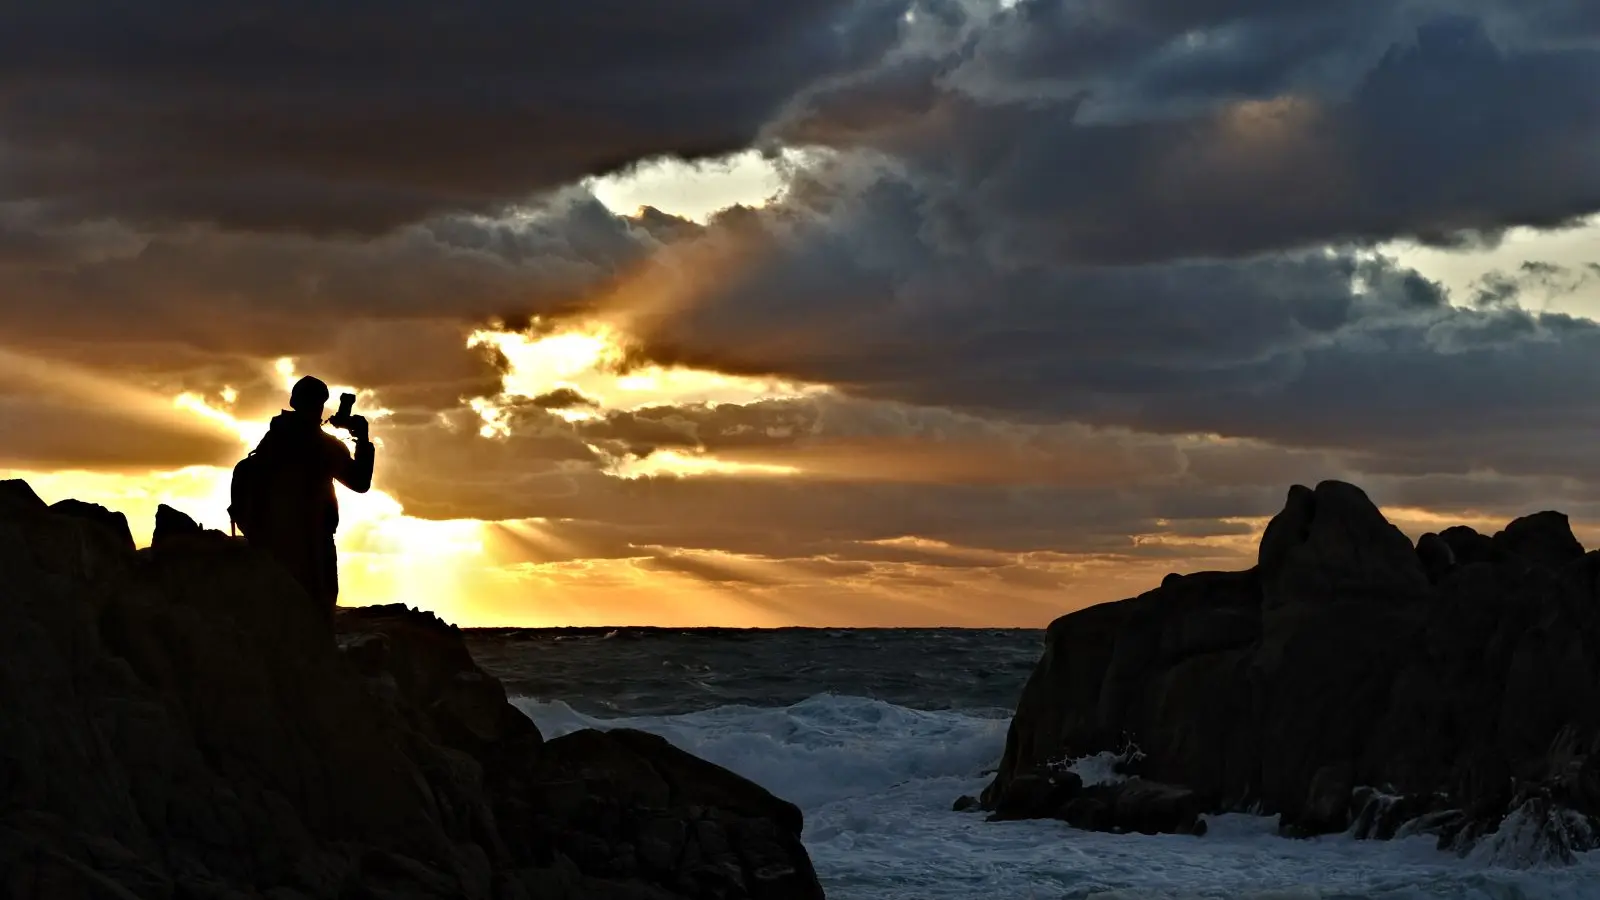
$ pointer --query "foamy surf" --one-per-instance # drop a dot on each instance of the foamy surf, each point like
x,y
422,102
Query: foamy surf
x,y
876,782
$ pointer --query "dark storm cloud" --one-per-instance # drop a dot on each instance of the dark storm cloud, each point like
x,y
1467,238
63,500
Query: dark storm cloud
x,y
332,117
274,294
850,284
1230,128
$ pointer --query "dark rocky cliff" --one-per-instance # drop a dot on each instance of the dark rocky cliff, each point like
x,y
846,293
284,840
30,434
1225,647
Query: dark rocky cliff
x,y
1349,681
178,723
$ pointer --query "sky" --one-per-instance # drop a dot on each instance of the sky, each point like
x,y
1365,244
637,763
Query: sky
x,y
827,312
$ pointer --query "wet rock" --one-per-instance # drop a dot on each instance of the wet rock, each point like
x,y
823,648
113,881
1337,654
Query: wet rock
x,y
1379,815
1348,681
1149,807
1327,806
1136,806
1037,795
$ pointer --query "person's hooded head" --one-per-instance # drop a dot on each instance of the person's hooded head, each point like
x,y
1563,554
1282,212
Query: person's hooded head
x,y
309,397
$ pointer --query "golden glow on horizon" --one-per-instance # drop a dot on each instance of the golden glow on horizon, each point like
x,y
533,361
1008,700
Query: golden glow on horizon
x,y
452,567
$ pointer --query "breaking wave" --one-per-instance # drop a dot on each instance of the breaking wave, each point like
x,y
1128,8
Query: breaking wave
x,y
876,782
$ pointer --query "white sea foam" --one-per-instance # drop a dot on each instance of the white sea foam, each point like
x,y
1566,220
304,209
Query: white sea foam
x,y
876,782
1100,768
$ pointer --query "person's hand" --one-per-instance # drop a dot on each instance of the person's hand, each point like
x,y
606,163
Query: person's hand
x,y
358,427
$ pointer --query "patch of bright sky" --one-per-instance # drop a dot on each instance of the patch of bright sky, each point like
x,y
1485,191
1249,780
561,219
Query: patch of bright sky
x,y
672,462
1573,248
584,360
695,190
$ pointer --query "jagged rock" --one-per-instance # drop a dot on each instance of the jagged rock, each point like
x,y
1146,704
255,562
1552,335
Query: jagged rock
x,y
1536,831
1543,539
689,824
1378,815
18,499
1136,806
1294,687
1436,556
115,524
181,724
1334,544
1327,806
70,539
1037,795
1468,546
172,523
1148,807
429,667
1483,783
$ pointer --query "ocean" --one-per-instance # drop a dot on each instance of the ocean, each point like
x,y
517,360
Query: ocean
x,y
874,733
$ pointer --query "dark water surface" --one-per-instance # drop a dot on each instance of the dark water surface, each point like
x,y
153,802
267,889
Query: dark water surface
x,y
661,671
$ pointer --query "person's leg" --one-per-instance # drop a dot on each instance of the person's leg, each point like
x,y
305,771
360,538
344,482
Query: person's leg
x,y
296,558
330,570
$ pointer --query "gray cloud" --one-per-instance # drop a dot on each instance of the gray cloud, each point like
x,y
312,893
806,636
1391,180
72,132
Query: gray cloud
x,y
302,116
1225,129
1187,497
849,284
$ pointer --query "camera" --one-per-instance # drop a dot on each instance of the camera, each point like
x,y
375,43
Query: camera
x,y
344,418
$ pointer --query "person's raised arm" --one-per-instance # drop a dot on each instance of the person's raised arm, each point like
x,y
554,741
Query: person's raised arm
x,y
356,473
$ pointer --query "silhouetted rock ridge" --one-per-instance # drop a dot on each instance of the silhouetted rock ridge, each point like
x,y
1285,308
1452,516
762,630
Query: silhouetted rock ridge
x,y
1349,681
178,723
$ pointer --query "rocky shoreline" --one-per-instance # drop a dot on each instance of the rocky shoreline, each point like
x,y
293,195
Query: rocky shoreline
x,y
177,722
1349,682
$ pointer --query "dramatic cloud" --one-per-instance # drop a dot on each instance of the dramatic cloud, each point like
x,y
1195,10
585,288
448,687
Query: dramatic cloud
x,y
1319,348
59,416
200,310
1143,131
363,117
1057,295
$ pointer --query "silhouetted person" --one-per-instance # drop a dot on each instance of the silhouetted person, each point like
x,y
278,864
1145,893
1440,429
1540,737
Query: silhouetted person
x,y
284,501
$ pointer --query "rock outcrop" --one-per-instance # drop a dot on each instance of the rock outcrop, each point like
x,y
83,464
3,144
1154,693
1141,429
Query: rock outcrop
x,y
178,723
1347,682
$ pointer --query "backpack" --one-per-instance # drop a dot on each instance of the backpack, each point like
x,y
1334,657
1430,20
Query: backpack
x,y
251,491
